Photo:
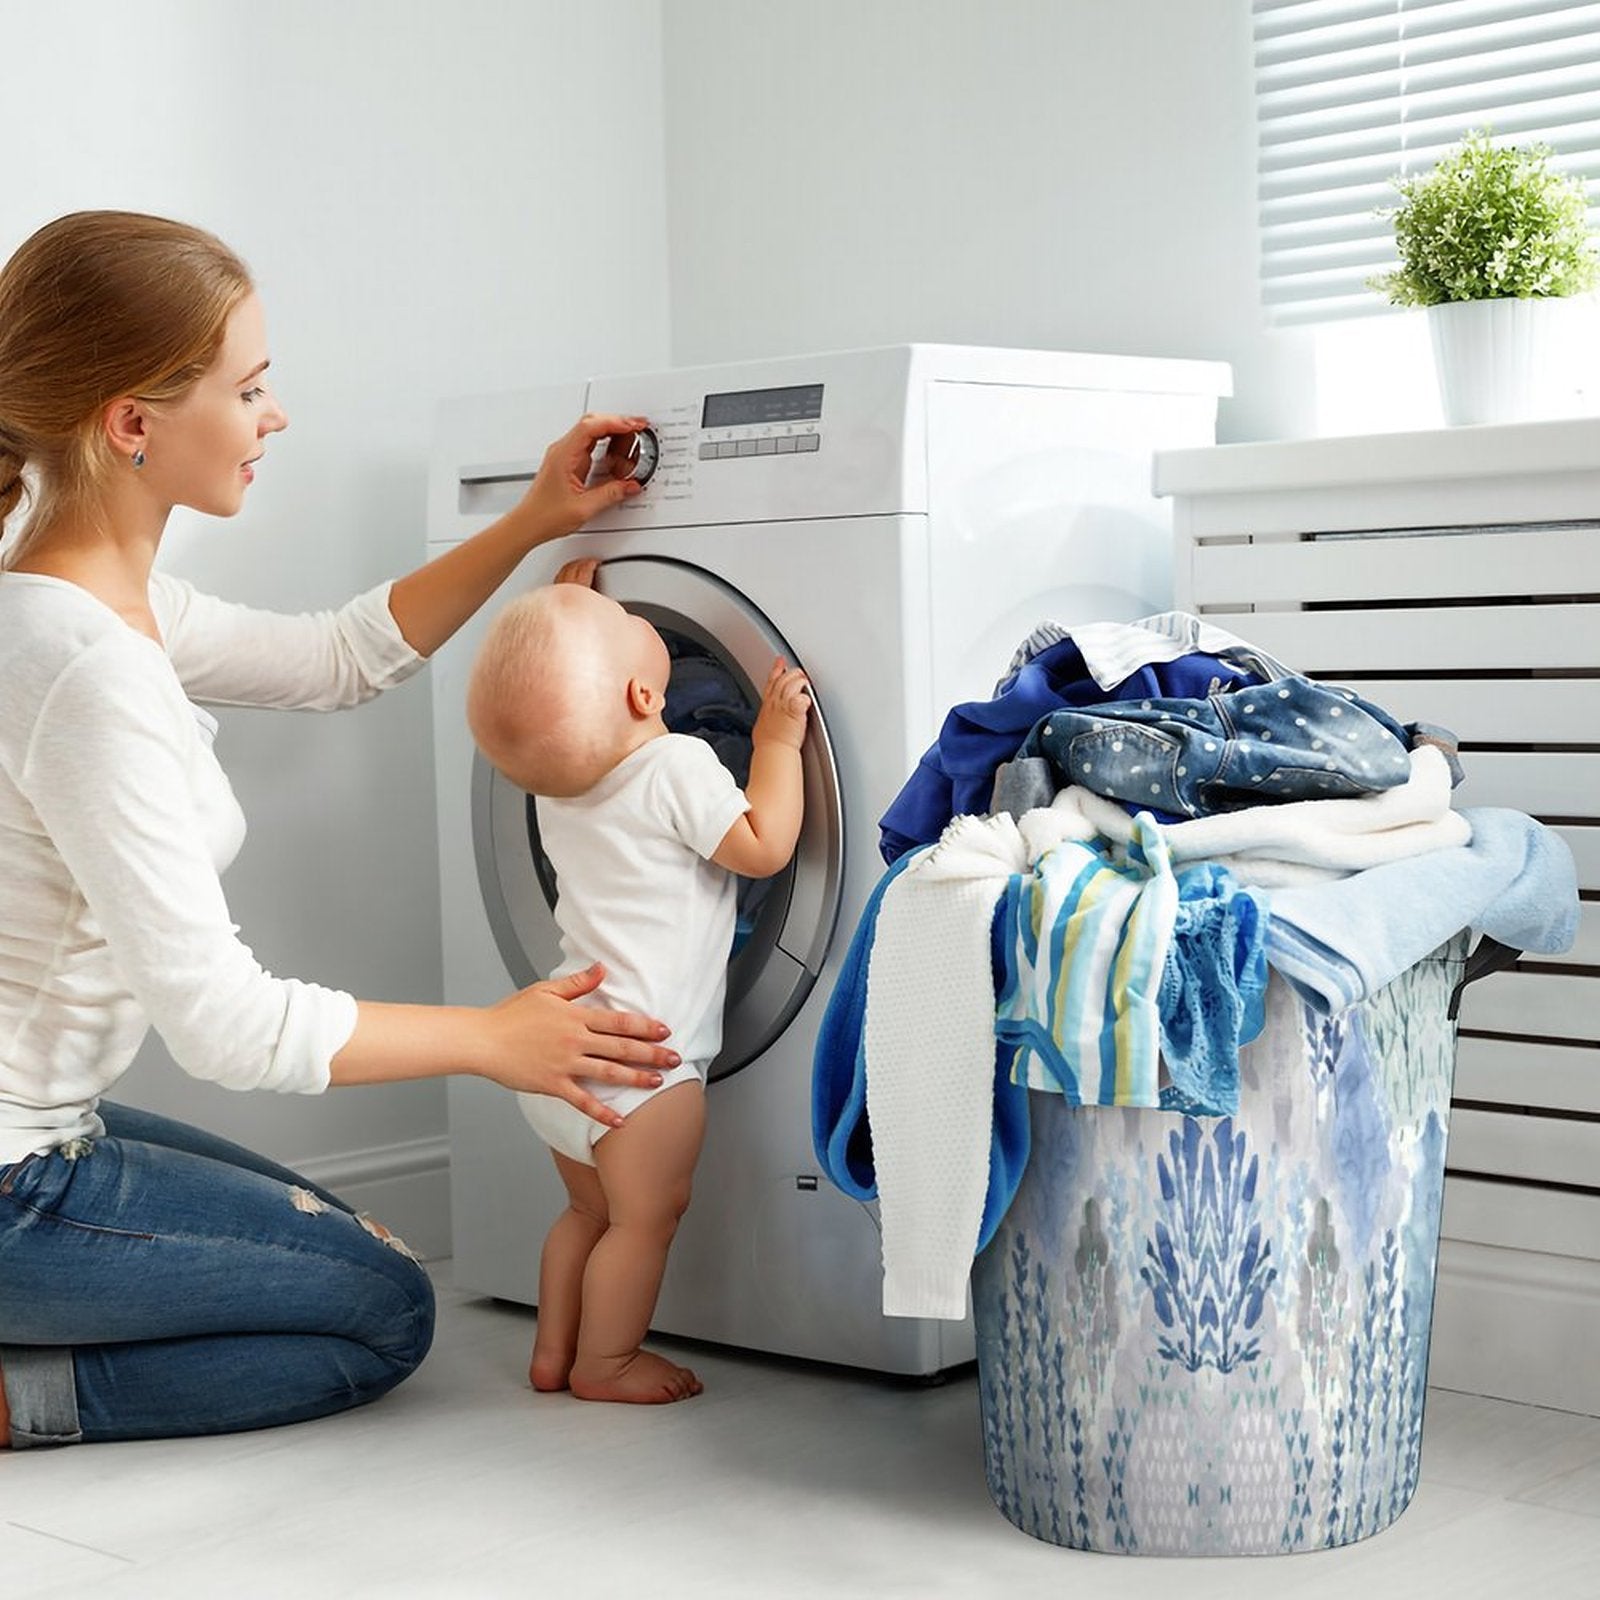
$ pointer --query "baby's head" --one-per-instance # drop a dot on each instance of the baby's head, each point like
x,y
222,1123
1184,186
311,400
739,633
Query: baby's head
x,y
566,684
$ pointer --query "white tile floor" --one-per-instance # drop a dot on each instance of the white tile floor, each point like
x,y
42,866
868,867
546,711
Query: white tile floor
x,y
781,1481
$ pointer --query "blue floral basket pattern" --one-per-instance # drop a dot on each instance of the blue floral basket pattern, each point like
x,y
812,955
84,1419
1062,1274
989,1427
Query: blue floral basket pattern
x,y
1209,1336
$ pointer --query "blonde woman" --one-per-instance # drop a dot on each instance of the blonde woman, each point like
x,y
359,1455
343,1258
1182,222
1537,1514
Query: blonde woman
x,y
156,1281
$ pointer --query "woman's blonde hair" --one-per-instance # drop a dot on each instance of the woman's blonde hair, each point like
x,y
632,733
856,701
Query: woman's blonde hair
x,y
96,305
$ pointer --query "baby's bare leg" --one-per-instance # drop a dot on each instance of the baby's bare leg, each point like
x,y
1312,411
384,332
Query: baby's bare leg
x,y
645,1169
566,1253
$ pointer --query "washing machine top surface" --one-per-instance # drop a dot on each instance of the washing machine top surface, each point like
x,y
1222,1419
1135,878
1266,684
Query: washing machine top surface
x,y
843,433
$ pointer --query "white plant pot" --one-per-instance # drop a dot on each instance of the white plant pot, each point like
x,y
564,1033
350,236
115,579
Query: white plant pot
x,y
1502,360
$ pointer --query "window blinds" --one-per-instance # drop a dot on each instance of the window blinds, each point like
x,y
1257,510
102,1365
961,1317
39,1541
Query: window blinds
x,y
1350,93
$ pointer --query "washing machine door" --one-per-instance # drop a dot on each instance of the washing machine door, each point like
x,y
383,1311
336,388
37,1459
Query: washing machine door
x,y
722,647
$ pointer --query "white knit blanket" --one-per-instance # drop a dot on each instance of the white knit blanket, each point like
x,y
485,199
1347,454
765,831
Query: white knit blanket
x,y
1305,840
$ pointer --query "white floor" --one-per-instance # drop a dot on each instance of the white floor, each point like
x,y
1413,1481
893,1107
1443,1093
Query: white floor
x,y
780,1481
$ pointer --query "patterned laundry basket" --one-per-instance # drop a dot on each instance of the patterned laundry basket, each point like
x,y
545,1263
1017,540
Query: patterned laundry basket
x,y
1209,1336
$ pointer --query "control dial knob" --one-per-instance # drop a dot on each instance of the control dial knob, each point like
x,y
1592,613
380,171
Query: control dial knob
x,y
632,455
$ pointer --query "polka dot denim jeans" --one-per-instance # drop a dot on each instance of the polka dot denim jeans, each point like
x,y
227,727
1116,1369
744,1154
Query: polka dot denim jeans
x,y
1291,739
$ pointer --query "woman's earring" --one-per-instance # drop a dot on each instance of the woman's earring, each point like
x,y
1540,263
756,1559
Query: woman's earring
x,y
138,459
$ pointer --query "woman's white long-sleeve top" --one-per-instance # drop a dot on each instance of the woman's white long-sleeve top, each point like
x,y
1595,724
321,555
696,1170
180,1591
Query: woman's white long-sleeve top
x,y
116,822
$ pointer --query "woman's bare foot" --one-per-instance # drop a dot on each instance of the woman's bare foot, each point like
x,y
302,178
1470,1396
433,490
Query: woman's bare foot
x,y
638,1379
549,1368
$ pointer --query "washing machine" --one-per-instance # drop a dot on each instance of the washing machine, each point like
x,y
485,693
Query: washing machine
x,y
895,521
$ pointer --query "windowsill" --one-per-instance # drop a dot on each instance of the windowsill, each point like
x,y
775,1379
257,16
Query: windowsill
x,y
1375,374
1560,454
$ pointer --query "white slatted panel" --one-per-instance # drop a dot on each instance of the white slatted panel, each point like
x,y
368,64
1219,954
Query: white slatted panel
x,y
1514,1072
1351,92
1492,629
1555,561
1555,783
1547,1149
1429,639
1514,1216
1481,500
1551,1005
1494,710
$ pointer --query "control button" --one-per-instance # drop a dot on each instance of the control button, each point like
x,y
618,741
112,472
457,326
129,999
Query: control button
x,y
809,441
784,445
726,448
747,447
766,447
707,451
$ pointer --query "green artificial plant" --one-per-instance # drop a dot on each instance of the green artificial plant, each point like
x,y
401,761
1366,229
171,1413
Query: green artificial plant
x,y
1489,224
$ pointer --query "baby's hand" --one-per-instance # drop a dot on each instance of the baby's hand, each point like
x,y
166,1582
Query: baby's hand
x,y
784,704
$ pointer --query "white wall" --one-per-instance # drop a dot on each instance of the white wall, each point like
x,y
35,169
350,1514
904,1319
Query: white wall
x,y
1074,174
504,192
425,194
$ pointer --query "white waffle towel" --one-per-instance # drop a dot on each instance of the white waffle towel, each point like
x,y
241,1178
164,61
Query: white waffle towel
x,y
930,1051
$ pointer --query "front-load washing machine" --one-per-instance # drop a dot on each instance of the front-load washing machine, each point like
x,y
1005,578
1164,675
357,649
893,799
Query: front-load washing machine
x,y
895,521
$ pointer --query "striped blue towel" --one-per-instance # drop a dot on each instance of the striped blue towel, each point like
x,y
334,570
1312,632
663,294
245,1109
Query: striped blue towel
x,y
1083,971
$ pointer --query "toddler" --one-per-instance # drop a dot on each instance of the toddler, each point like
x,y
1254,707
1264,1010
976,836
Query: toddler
x,y
645,829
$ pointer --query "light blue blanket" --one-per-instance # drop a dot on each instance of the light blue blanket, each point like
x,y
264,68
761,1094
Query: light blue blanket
x,y
1342,941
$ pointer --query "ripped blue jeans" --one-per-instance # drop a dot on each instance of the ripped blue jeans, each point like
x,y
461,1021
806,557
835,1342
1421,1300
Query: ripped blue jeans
x,y
159,1282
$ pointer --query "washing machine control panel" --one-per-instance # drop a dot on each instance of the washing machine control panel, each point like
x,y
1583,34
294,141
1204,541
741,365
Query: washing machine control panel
x,y
740,424
767,441
727,425
794,439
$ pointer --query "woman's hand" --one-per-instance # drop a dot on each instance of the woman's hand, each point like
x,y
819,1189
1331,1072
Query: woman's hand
x,y
428,605
542,1043
560,500
536,1040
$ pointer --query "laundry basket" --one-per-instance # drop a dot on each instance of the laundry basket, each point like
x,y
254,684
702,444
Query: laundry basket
x,y
1209,1336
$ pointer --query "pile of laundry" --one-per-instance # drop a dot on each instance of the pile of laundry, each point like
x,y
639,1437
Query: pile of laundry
x,y
1091,874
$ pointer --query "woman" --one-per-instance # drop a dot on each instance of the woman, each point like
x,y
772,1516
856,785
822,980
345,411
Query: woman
x,y
154,1280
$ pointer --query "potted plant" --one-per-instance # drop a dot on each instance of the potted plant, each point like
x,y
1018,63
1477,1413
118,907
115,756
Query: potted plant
x,y
1490,242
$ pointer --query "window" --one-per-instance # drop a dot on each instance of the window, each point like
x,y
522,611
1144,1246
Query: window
x,y
1351,92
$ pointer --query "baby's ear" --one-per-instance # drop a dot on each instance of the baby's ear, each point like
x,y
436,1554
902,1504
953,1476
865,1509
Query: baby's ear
x,y
644,699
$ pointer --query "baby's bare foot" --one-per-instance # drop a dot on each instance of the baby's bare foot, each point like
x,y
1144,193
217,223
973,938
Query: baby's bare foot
x,y
548,1370
637,1379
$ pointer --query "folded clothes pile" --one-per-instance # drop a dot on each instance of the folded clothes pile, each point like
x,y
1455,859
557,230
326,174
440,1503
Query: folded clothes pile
x,y
1091,874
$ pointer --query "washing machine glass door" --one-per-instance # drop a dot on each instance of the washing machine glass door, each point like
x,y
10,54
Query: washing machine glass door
x,y
721,648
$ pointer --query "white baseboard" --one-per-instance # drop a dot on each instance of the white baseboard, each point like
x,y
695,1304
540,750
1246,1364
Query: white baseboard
x,y
1514,1324
406,1187
1518,1325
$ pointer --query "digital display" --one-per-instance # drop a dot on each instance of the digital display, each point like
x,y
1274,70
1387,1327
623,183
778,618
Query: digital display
x,y
747,408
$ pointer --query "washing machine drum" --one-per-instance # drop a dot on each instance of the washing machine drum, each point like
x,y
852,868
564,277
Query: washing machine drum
x,y
721,647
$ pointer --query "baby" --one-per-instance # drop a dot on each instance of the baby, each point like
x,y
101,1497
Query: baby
x,y
645,829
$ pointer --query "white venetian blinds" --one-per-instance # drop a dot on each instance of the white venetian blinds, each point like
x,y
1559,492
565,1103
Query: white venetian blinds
x,y
1351,92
